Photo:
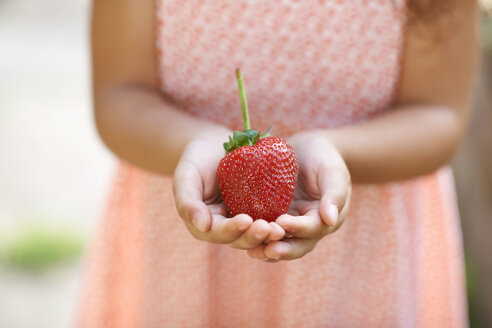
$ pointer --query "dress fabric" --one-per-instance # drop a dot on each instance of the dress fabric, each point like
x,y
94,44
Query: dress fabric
x,y
396,262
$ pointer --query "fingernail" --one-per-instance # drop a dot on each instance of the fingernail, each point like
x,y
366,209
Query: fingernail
x,y
280,249
333,214
199,222
276,257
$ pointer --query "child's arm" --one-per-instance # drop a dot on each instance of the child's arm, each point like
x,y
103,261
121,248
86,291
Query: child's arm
x,y
424,129
133,118
144,128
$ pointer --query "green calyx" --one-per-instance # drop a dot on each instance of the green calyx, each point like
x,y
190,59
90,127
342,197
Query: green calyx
x,y
244,138
248,137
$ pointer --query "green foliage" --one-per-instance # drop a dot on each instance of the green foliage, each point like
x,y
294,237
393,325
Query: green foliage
x,y
39,249
486,32
471,290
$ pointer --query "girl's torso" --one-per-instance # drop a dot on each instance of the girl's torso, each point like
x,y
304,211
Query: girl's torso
x,y
306,64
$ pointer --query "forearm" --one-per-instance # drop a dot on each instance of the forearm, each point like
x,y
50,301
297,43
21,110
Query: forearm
x,y
143,128
403,143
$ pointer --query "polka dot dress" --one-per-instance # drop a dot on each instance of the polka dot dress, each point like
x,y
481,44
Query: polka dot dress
x,y
396,262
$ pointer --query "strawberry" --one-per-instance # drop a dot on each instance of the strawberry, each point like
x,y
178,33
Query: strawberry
x,y
258,174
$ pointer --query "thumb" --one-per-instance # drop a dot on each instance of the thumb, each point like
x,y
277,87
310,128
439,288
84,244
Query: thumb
x,y
335,189
188,196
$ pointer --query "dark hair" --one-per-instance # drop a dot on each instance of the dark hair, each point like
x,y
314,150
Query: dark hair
x,y
428,11
434,20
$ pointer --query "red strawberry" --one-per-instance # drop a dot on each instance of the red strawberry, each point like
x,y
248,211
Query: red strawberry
x,y
258,174
259,180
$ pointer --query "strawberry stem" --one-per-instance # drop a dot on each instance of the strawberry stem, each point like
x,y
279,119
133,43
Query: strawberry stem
x,y
247,137
242,97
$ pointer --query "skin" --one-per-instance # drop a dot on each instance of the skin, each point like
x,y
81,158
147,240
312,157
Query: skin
x,y
140,125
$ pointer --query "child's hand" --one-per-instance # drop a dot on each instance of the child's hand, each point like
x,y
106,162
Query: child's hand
x,y
320,203
200,206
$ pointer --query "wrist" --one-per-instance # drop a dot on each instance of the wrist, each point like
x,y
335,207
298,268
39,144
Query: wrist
x,y
211,132
336,138
331,138
323,135
208,138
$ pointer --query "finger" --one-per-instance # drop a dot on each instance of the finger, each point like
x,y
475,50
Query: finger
x,y
343,213
196,213
289,249
302,206
277,232
304,226
258,253
254,236
334,186
188,196
218,209
226,230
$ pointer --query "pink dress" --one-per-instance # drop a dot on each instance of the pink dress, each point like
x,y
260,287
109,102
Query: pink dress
x,y
396,262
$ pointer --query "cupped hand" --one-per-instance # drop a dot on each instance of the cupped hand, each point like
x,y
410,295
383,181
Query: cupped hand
x,y
200,206
321,199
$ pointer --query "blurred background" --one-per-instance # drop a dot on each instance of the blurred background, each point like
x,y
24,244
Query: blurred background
x,y
55,173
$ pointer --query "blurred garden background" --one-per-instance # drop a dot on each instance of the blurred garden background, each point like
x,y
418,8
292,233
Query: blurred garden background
x,y
54,171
